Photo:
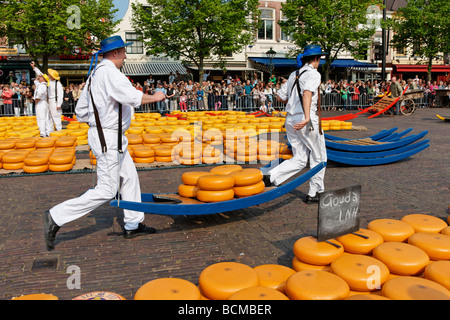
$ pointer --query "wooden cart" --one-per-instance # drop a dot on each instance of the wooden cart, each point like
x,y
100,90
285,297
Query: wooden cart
x,y
407,104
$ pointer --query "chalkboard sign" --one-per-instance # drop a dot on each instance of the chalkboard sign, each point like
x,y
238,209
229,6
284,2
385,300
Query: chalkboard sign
x,y
339,212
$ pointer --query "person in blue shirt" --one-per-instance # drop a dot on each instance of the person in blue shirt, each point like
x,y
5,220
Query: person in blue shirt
x,y
200,98
248,95
161,104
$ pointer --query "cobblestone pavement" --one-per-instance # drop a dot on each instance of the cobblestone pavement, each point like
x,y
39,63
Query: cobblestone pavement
x,y
183,246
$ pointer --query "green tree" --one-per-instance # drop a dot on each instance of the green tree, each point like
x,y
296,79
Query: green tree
x,y
336,26
424,27
52,27
196,30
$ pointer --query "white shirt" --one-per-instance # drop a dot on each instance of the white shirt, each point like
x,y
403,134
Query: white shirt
x,y
51,89
309,81
109,88
40,93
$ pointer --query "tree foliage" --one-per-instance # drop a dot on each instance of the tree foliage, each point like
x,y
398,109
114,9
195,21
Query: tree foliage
x,y
196,30
336,26
51,27
423,26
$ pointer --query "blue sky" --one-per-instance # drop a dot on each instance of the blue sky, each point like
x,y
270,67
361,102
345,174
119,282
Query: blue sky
x,y
122,5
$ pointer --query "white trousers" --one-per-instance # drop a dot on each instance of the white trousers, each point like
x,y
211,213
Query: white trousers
x,y
109,167
42,117
306,145
55,117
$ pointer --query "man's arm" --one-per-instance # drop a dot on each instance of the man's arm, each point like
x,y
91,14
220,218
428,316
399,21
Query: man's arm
x,y
282,94
306,103
35,69
158,96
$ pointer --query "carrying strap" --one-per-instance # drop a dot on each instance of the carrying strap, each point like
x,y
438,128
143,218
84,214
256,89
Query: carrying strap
x,y
56,91
99,125
119,129
97,118
297,84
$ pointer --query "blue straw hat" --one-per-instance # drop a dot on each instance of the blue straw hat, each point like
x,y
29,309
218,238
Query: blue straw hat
x,y
308,51
112,43
109,44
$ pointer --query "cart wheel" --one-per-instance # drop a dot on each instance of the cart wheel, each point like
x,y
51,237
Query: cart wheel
x,y
408,106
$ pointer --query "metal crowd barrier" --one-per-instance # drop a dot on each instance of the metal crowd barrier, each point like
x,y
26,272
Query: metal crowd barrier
x,y
248,103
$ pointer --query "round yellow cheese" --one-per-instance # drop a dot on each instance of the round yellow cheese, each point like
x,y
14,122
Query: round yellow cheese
x,y
251,190
215,196
316,285
219,281
414,288
361,272
215,182
190,178
187,191
258,293
360,245
439,271
168,289
308,250
425,223
246,177
402,258
273,276
436,245
391,229
226,169
446,231
299,265
36,296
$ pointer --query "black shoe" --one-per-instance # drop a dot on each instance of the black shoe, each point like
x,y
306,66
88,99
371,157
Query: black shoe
x,y
266,180
140,231
50,230
310,199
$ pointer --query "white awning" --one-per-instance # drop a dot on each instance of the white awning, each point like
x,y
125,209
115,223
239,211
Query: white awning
x,y
153,68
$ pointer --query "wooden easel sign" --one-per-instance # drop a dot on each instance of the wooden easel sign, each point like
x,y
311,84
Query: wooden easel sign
x,y
339,212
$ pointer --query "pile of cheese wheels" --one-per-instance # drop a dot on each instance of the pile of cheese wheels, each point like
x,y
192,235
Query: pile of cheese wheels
x,y
155,123
408,258
74,129
336,125
221,183
390,259
208,147
18,127
37,155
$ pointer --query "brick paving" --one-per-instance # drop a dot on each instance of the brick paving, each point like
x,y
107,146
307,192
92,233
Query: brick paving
x,y
185,245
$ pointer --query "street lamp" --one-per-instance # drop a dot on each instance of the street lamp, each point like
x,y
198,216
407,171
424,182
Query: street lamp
x,y
271,54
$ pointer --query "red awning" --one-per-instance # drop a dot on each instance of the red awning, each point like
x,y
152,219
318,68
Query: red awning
x,y
421,68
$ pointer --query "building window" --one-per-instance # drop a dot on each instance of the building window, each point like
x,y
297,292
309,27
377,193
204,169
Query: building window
x,y
137,47
284,36
265,30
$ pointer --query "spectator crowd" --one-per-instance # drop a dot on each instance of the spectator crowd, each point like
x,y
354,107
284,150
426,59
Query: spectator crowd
x,y
232,93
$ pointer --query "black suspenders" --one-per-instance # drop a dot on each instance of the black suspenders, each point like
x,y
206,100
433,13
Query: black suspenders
x,y
297,84
99,125
300,96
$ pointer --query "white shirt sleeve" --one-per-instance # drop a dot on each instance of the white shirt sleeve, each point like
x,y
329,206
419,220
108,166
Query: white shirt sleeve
x,y
123,91
82,107
311,82
283,92
38,72
60,89
41,91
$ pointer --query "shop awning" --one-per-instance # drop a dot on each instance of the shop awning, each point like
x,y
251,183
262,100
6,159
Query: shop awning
x,y
153,68
231,68
421,68
292,63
